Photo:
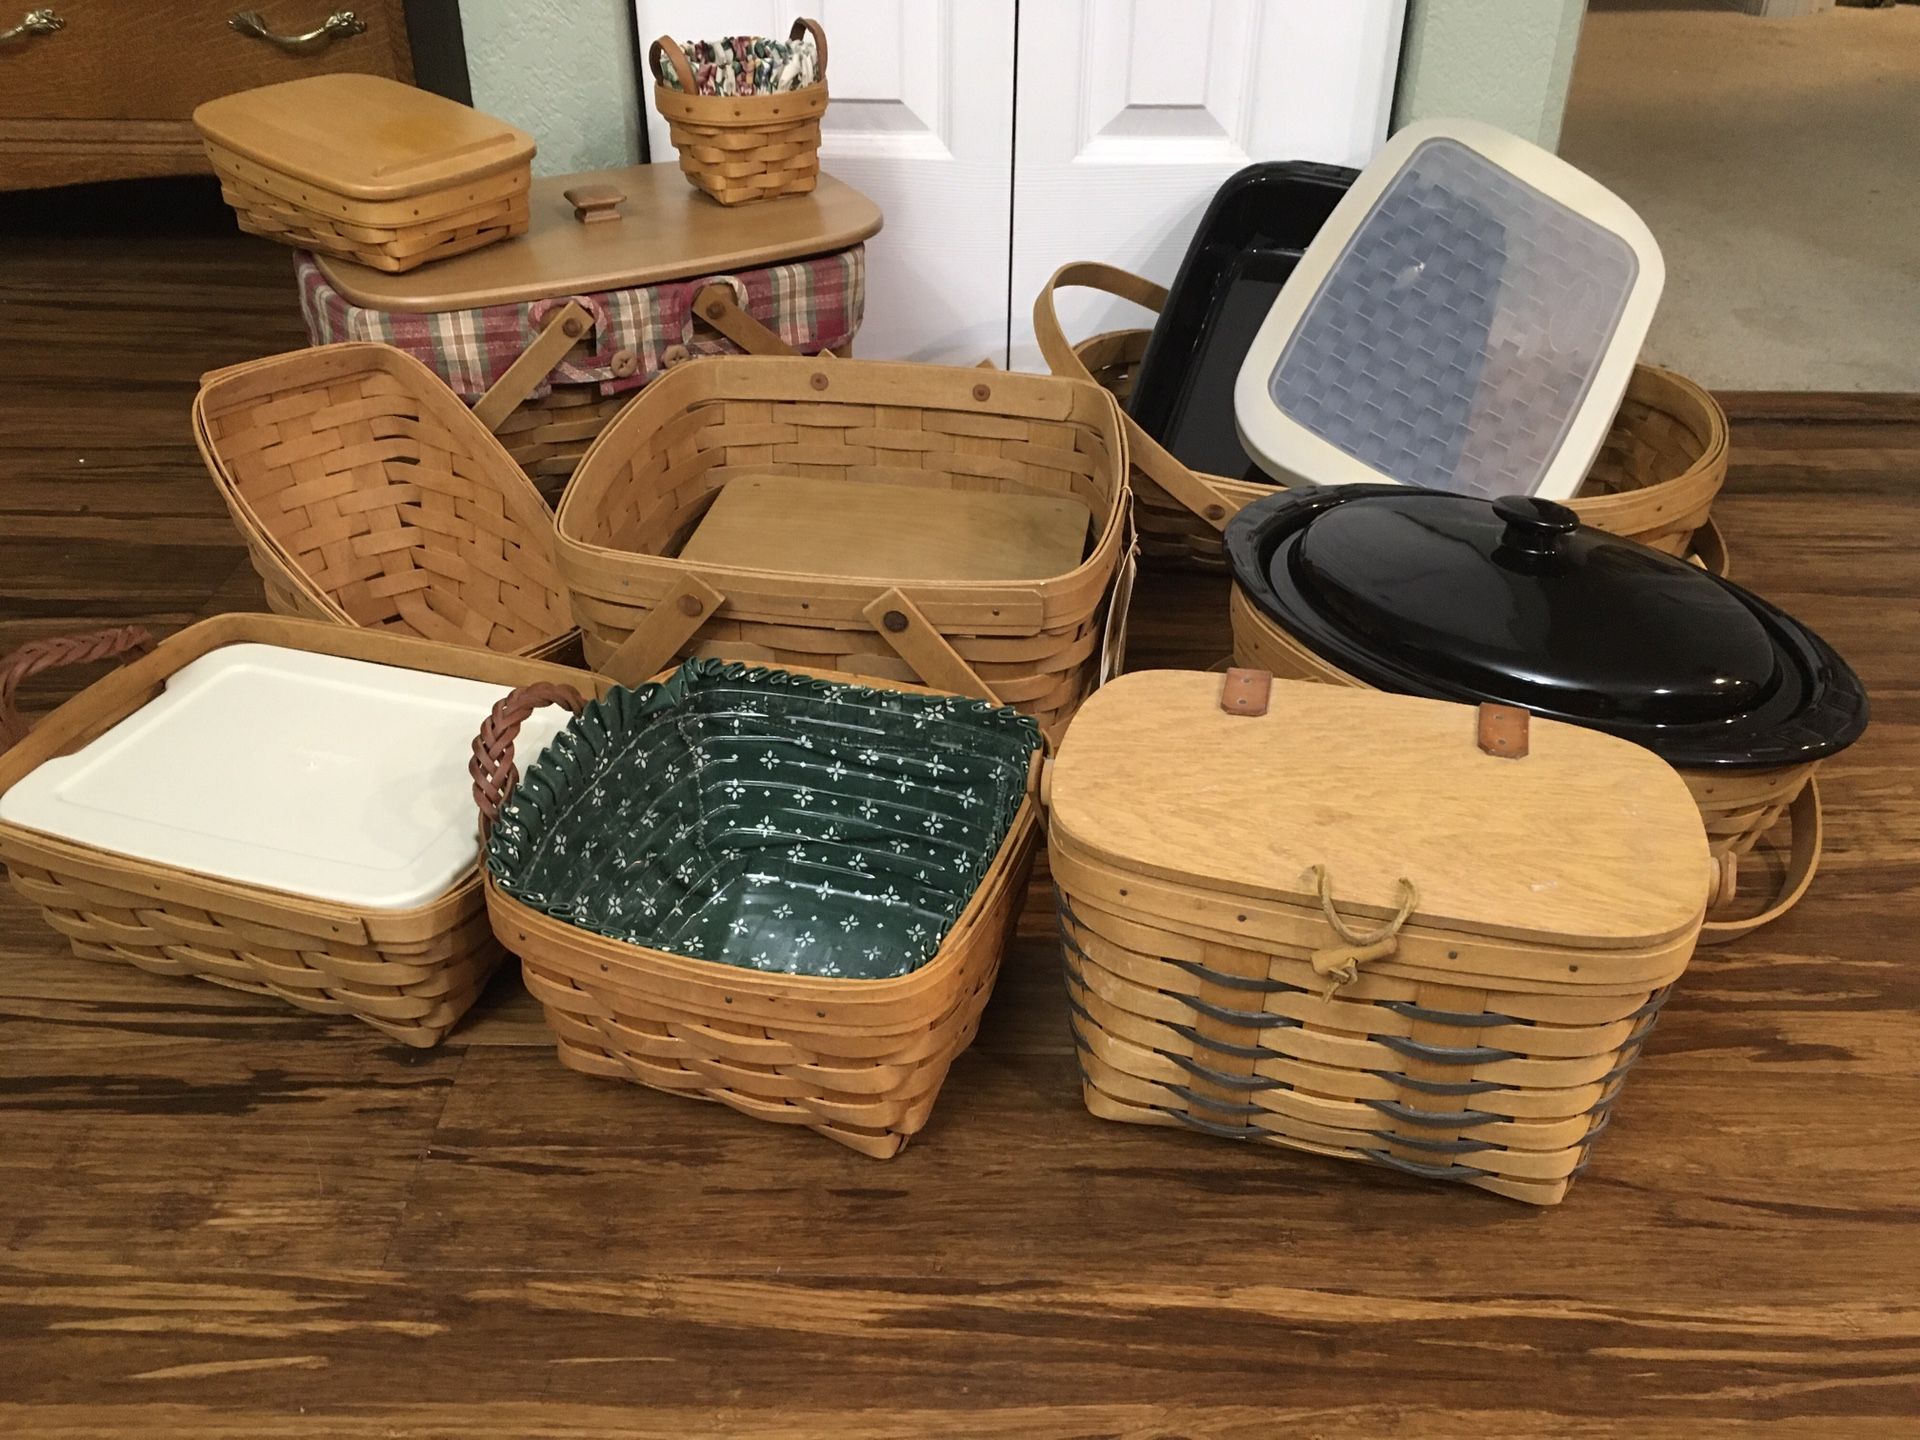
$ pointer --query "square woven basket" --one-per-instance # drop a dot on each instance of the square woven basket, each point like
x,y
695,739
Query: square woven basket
x,y
781,893
740,148
1039,646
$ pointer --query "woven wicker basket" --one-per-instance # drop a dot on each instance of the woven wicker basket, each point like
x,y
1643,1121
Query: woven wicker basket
x,y
738,148
1429,1009
1739,807
1039,646
408,973
369,495
1654,479
858,1060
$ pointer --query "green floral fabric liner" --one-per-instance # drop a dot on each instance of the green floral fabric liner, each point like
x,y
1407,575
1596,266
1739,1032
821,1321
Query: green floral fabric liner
x,y
767,820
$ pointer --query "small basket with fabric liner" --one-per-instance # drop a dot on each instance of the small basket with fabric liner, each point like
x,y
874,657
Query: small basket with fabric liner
x,y
651,581
741,148
779,892
409,969
369,495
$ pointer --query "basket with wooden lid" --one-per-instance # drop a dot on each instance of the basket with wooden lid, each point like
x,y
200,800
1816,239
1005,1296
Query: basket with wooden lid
x,y
273,805
367,168
369,495
1370,926
913,522
744,112
779,892
621,274
1514,601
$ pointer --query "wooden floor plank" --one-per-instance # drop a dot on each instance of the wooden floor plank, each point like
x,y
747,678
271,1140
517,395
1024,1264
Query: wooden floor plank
x,y
223,1218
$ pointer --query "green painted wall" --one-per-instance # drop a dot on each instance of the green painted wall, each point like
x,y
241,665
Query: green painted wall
x,y
1506,62
562,70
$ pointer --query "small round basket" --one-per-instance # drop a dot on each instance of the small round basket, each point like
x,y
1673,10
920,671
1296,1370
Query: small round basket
x,y
738,148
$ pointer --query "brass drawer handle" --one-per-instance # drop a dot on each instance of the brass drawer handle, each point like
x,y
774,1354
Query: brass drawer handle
x,y
341,25
35,22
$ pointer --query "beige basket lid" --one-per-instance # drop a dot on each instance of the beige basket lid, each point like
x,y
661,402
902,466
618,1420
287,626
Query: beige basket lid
x,y
665,230
1587,842
363,136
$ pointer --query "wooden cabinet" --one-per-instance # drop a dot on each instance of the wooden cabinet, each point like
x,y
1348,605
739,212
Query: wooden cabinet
x,y
108,92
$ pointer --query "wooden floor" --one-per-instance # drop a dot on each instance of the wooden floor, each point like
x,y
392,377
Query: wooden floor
x,y
219,1218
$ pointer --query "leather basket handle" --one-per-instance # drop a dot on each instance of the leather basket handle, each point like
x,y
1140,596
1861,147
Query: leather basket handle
x,y
127,641
1147,454
677,59
812,27
492,769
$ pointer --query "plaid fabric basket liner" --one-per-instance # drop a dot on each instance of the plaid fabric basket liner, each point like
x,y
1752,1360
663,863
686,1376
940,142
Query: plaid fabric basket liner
x,y
811,304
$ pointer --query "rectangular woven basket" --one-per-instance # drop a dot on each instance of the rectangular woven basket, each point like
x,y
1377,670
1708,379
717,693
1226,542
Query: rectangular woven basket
x,y
369,495
859,1060
1654,480
410,974
1035,645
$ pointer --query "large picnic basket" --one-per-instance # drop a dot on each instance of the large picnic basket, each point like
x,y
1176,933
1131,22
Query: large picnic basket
x,y
1422,945
1654,480
768,890
384,174
741,148
622,273
410,973
1037,645
369,495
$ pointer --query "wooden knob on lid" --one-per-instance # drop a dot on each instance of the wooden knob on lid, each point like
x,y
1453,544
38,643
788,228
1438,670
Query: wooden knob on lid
x,y
593,204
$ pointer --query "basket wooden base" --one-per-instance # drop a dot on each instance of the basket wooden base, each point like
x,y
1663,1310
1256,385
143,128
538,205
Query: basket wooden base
x,y
1739,807
859,1061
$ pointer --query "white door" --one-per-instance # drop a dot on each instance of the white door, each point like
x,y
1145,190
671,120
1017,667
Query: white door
x,y
1130,113
921,121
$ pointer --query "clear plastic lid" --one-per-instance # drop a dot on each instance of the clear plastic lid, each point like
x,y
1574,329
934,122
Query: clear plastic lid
x,y
1465,327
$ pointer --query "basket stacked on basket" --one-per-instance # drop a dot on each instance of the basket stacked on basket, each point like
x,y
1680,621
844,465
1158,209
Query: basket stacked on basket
x,y
368,169
745,144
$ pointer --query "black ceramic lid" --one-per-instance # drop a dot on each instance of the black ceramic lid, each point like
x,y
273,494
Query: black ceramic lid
x,y
1514,600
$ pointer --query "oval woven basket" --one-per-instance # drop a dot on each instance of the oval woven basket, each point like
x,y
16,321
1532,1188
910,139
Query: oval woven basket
x,y
1739,806
1038,645
738,148
859,1060
369,495
1654,480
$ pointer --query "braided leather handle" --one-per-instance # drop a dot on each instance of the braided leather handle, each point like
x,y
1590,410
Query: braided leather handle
x,y
492,768
52,653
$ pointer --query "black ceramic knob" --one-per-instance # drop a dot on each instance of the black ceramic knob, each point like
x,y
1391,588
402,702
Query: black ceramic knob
x,y
1534,526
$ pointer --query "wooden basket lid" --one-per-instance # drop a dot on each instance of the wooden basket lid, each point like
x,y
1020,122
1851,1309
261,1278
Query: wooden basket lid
x,y
664,230
1586,842
363,136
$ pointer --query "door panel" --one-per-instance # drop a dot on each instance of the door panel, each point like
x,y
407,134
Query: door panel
x,y
1131,113
921,120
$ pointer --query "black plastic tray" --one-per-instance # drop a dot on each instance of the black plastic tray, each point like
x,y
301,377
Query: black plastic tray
x,y
1247,245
